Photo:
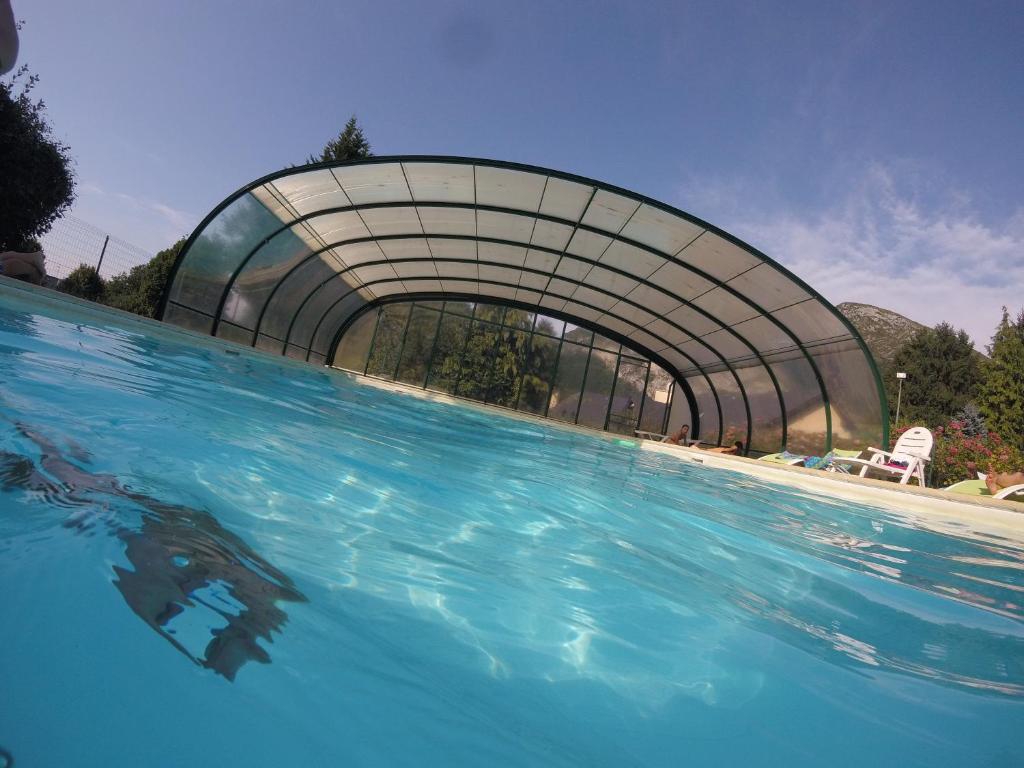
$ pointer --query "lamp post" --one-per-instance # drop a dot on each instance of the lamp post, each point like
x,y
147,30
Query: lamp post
x,y
899,396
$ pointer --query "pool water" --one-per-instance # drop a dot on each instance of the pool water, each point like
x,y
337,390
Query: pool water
x,y
212,557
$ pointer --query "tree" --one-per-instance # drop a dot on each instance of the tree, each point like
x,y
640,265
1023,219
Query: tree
x,y
140,289
1002,391
37,183
942,375
84,282
350,145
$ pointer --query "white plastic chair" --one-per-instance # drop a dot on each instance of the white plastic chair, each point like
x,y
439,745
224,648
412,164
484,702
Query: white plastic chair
x,y
907,458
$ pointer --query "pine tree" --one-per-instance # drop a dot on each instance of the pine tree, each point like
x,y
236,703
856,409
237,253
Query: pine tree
x,y
351,144
1002,390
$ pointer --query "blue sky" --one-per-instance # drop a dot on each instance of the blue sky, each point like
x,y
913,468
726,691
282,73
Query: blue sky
x,y
873,148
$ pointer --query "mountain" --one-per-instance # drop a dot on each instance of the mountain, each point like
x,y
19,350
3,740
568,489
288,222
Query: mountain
x,y
883,330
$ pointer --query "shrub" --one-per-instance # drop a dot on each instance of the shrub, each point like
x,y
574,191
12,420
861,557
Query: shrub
x,y
84,282
960,456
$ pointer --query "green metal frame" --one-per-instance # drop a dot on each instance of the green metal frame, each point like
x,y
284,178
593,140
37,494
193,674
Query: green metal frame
x,y
639,199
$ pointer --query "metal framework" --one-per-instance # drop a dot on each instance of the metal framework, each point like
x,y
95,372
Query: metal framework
x,y
287,262
365,355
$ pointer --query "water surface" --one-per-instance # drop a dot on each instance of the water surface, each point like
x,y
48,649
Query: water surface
x,y
220,558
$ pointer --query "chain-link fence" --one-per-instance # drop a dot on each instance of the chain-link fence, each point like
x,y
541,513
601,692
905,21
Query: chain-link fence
x,y
72,242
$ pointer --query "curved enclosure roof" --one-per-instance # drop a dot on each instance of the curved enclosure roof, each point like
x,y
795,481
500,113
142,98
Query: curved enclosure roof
x,y
287,263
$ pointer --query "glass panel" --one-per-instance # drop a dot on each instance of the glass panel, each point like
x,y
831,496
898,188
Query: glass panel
x,y
572,364
539,369
492,313
507,369
272,345
460,307
718,257
441,182
451,339
805,410
376,183
707,409
598,389
660,229
186,318
810,321
309,319
291,293
765,411
549,326
234,333
853,395
264,270
221,247
768,288
601,342
576,334
355,344
504,226
627,397
508,189
388,341
656,400
734,415
565,199
419,343
519,319
333,319
477,359
609,211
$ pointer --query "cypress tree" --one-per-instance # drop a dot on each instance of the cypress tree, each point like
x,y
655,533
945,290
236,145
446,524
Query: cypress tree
x,y
1002,391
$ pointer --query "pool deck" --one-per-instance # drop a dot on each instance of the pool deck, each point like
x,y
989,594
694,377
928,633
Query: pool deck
x,y
931,508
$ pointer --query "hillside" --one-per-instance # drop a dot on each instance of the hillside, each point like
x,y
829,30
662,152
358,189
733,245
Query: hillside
x,y
884,331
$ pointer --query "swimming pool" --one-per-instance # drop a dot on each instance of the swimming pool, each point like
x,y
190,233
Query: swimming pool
x,y
215,557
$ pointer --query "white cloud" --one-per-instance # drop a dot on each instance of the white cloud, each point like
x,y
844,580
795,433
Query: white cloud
x,y
880,243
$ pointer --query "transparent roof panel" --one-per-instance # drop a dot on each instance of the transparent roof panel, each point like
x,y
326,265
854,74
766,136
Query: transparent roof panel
x,y
661,230
600,256
717,257
448,221
440,182
505,188
629,258
338,227
376,183
392,221
506,254
565,199
609,211
505,226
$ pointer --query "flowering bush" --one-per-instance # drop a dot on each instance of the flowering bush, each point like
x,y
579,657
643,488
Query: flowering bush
x,y
959,456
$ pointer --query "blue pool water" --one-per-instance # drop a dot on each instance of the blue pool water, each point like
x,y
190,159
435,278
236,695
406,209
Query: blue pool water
x,y
213,558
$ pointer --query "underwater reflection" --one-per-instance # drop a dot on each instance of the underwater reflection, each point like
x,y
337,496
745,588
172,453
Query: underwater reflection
x,y
184,560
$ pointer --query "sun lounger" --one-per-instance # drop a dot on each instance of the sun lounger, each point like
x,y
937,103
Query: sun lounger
x,y
978,488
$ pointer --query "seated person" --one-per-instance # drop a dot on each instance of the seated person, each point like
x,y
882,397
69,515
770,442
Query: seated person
x,y
996,481
736,449
679,437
